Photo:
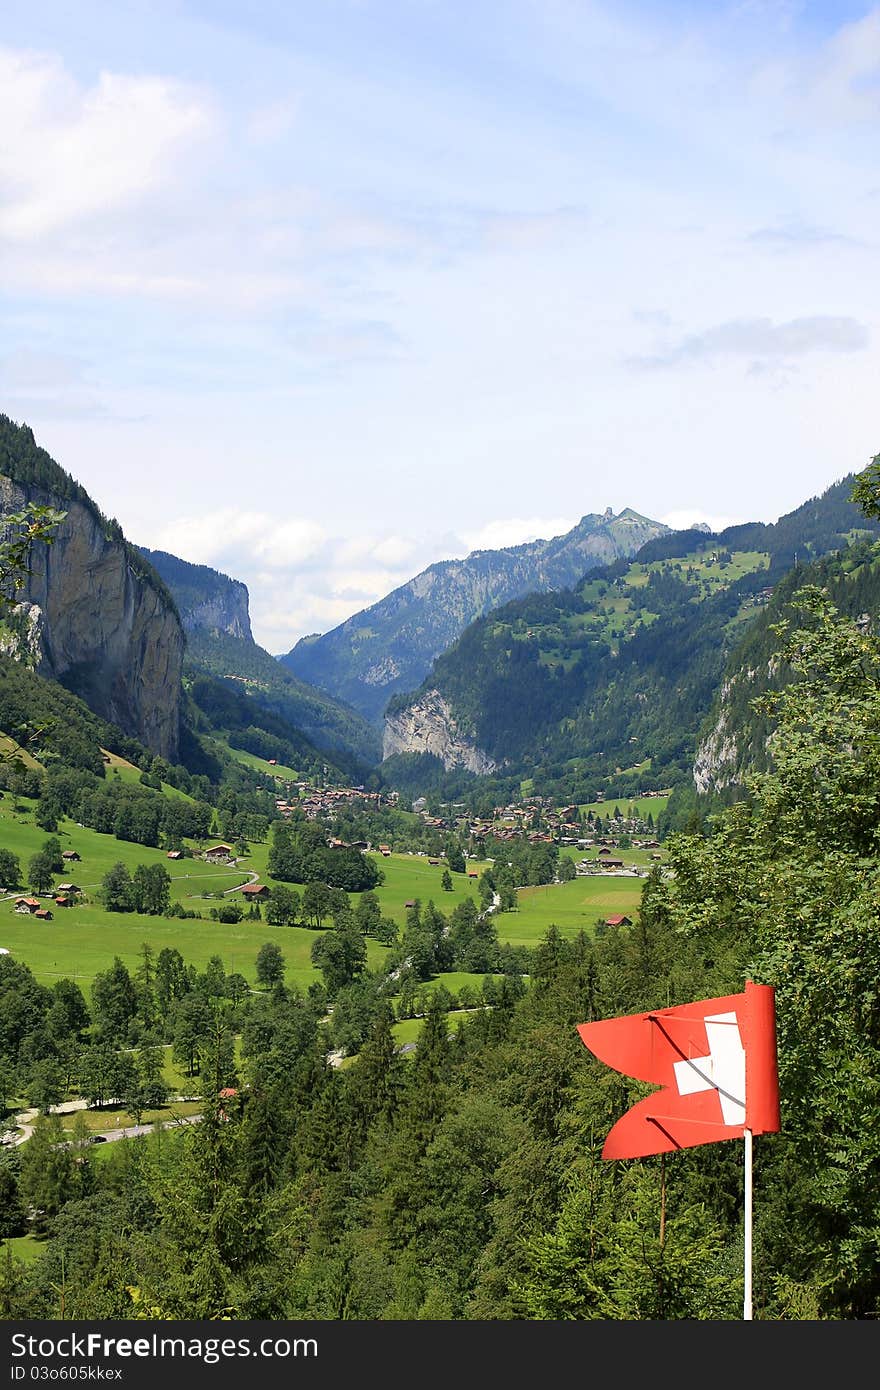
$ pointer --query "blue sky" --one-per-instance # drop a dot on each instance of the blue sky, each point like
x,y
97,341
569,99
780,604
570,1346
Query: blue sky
x,y
321,293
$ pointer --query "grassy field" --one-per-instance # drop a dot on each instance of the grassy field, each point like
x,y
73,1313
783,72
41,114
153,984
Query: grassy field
x,y
280,771
408,1029
125,771
24,1248
10,749
409,877
83,940
98,853
572,907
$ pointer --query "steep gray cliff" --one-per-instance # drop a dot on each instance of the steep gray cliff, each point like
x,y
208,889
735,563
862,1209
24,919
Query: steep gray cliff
x,y
87,619
207,600
428,726
734,741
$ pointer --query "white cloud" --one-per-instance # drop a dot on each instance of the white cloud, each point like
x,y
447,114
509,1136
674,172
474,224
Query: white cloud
x,y
762,339
300,577
269,123
497,535
70,152
257,538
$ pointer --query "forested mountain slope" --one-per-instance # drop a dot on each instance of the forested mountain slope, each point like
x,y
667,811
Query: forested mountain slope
x,y
215,612
736,737
389,647
609,682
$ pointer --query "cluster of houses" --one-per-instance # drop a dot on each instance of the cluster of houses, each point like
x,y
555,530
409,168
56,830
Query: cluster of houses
x,y
65,895
322,801
536,819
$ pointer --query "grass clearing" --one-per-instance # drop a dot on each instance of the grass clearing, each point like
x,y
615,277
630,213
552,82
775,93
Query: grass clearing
x,y
25,1248
280,771
571,907
640,806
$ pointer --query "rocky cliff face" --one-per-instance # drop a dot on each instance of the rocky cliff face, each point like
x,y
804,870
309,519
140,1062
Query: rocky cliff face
x,y
733,745
87,620
429,727
207,600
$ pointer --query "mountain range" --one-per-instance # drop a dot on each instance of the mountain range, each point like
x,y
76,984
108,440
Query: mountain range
x,y
616,667
604,687
389,647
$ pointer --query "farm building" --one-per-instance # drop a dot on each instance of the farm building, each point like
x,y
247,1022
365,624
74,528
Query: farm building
x,y
70,855
618,919
44,914
219,854
28,905
256,890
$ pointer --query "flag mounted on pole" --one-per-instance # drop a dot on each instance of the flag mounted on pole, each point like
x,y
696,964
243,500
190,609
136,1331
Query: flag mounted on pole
x,y
715,1061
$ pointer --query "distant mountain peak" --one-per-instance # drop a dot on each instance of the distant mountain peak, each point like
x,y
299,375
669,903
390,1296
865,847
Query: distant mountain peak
x,y
389,647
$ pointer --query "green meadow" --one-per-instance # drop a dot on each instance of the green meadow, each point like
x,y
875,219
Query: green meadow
x,y
84,939
280,771
25,1248
571,907
125,771
410,878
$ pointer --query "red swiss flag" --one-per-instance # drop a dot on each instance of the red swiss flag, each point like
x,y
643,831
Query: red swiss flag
x,y
715,1061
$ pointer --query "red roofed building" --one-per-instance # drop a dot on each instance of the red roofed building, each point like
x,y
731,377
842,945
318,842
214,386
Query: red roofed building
x,y
618,919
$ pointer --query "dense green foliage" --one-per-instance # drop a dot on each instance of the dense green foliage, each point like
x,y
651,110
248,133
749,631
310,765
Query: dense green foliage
x,y
300,854
851,579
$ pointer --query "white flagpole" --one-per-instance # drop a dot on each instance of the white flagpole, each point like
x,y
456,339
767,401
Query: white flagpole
x,y
747,1281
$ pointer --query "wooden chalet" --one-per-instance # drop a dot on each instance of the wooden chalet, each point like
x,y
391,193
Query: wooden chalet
x,y
219,854
256,890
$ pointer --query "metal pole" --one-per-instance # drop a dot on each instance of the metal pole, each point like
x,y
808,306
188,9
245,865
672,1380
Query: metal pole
x,y
747,1282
